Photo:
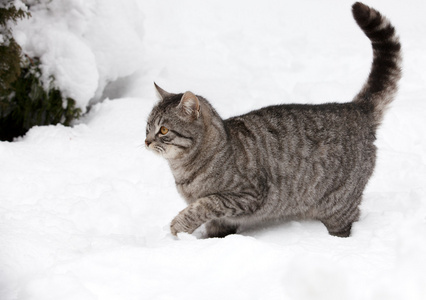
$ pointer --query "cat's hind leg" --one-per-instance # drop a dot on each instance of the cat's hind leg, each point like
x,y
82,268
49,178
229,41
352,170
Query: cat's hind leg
x,y
340,223
220,228
338,231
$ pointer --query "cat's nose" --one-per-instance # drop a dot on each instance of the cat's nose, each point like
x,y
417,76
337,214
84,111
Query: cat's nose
x,y
147,143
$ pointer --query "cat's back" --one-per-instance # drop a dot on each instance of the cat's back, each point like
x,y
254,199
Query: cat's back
x,y
324,122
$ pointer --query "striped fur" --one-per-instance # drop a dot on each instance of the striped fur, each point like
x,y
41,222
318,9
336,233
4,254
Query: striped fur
x,y
278,162
381,85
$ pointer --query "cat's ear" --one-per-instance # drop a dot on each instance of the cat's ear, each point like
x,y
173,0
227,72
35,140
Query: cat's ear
x,y
190,105
162,93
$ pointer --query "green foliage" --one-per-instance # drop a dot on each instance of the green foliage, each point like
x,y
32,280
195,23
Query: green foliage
x,y
9,64
29,104
9,50
24,100
8,12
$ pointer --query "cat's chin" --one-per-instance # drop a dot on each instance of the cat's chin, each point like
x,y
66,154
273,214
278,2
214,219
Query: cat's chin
x,y
171,152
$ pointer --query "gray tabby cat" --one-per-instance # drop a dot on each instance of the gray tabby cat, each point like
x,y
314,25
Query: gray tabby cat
x,y
279,162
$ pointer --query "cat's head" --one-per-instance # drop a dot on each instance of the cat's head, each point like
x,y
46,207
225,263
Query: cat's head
x,y
176,124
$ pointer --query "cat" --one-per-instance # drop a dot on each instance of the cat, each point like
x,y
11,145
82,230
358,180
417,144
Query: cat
x,y
279,162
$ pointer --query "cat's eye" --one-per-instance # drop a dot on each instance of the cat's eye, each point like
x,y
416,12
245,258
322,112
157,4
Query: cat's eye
x,y
163,130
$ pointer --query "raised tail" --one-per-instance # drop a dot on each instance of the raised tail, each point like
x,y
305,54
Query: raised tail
x,y
382,83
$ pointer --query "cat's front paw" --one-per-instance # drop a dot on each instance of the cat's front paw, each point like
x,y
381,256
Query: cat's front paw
x,y
181,224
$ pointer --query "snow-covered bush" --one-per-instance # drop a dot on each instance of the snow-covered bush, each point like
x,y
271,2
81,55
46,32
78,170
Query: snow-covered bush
x,y
26,101
84,45
75,48
9,49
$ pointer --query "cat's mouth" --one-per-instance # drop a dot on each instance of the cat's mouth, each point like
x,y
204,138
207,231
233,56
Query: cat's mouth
x,y
160,150
166,151
156,149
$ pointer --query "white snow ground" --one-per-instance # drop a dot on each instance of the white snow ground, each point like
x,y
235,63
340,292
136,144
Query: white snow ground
x,y
85,211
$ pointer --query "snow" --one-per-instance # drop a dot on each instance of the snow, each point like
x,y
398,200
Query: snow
x,y
84,45
85,211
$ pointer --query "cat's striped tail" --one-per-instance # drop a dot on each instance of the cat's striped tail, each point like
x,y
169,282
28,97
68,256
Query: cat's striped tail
x,y
382,83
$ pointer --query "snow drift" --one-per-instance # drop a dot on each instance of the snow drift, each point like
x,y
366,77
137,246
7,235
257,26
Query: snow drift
x,y
84,45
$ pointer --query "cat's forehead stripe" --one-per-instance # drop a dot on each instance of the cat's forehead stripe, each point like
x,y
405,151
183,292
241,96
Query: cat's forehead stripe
x,y
153,122
159,121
